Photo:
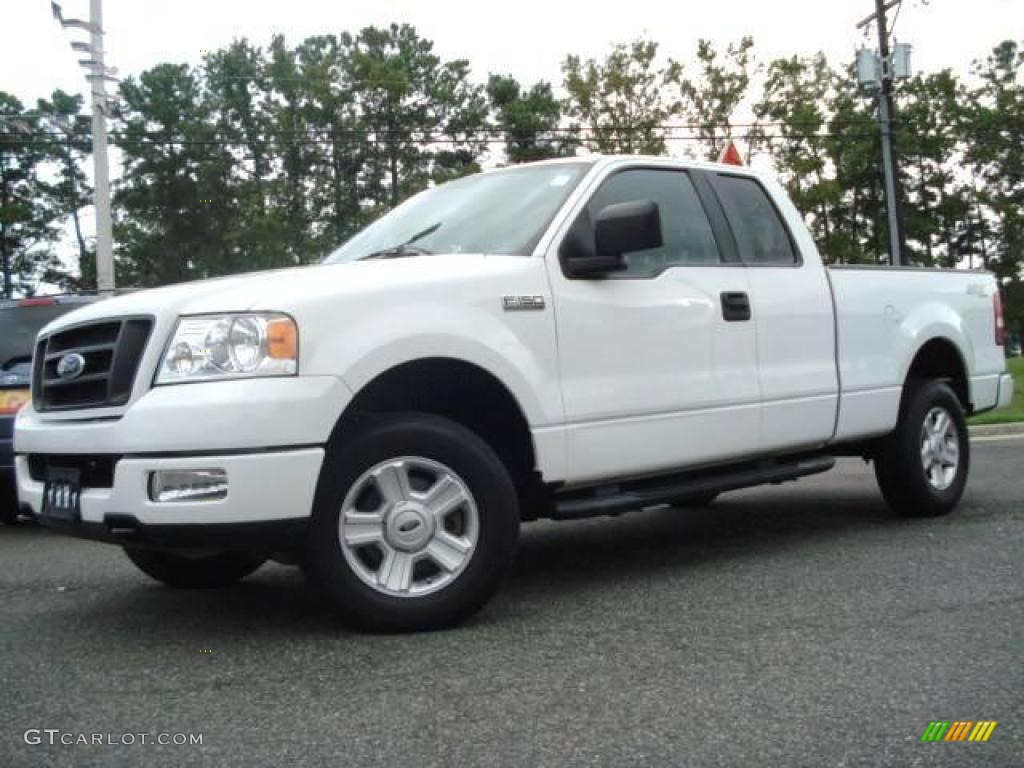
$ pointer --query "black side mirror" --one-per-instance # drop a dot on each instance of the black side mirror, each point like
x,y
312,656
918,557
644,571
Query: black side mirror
x,y
620,228
627,227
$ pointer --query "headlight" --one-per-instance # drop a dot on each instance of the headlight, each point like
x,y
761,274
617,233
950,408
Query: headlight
x,y
211,347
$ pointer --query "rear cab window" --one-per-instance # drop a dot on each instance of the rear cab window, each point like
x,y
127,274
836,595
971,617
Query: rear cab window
x,y
761,235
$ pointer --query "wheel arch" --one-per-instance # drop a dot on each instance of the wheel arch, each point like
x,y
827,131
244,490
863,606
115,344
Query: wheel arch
x,y
939,357
453,388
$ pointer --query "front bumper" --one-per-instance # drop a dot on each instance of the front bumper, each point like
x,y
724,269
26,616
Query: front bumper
x,y
266,434
264,486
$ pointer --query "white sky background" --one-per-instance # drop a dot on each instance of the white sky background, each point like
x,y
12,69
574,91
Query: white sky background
x,y
525,38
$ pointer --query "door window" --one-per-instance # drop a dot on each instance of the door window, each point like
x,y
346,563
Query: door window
x,y
687,238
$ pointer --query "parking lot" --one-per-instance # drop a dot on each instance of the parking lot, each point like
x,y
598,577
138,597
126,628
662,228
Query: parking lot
x,y
797,625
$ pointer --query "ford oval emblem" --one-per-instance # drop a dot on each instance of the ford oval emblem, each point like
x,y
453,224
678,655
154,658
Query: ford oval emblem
x,y
70,366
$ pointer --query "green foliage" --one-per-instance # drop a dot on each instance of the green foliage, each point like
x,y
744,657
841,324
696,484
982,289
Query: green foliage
x,y
265,158
529,120
407,98
262,157
620,103
69,145
32,206
710,100
995,121
173,200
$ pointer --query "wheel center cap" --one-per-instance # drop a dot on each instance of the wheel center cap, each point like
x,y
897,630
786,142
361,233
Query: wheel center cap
x,y
408,527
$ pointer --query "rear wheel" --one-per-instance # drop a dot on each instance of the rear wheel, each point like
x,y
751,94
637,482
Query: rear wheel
x,y
922,466
414,525
194,572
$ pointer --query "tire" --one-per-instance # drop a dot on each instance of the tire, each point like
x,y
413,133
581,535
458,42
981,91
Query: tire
x,y
909,488
8,502
696,502
409,563
8,514
184,572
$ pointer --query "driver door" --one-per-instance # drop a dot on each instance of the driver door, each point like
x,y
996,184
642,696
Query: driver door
x,y
657,372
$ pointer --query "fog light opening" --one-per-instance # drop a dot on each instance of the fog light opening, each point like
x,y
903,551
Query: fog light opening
x,y
169,485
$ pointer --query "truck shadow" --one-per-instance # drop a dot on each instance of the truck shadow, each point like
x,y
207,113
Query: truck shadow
x,y
744,528
555,562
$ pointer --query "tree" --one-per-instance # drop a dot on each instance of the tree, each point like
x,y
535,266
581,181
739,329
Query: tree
x,y
529,120
710,99
934,204
792,116
424,120
29,216
174,199
233,84
993,127
341,146
69,137
620,103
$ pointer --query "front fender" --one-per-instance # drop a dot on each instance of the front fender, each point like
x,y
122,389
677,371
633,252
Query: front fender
x,y
521,356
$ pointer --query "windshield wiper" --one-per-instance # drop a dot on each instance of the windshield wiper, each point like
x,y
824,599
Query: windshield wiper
x,y
407,248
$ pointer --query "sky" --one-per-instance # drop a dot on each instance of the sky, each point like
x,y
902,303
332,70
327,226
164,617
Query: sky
x,y
526,38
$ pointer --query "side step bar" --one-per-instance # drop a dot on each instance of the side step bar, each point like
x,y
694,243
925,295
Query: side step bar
x,y
626,496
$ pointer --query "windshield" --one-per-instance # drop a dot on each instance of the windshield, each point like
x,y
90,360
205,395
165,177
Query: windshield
x,y
502,211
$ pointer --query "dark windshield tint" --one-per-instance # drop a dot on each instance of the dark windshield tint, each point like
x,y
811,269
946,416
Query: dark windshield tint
x,y
502,211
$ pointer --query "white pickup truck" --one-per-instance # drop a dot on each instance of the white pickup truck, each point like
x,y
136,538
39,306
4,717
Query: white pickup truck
x,y
559,340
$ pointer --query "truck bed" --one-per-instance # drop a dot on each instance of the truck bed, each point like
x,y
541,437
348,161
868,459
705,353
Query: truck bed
x,y
885,314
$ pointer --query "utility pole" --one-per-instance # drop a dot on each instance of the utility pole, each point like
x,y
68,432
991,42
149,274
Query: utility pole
x,y
882,79
885,115
98,89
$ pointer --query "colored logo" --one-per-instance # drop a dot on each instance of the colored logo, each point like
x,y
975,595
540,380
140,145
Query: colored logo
x,y
70,366
958,730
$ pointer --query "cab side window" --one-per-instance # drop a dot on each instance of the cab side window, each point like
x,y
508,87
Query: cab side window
x,y
760,233
687,237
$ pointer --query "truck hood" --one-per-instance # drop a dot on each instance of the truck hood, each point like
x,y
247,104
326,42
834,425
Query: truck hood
x,y
287,290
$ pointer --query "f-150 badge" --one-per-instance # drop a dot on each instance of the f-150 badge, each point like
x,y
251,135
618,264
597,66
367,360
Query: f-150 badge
x,y
511,303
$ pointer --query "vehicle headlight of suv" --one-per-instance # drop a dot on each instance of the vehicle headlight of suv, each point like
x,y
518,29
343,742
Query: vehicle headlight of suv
x,y
230,346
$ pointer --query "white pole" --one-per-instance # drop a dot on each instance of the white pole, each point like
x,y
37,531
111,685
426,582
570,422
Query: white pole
x,y
97,84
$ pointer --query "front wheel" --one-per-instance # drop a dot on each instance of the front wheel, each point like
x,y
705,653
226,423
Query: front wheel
x,y
414,525
194,572
922,466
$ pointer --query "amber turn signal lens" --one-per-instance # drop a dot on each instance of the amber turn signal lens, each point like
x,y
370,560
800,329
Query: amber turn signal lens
x,y
282,339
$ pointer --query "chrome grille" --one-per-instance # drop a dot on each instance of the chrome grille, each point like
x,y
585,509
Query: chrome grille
x,y
111,351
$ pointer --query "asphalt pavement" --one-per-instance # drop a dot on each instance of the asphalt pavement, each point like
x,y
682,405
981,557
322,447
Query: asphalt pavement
x,y
799,625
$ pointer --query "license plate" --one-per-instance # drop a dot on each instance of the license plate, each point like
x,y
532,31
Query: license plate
x,y
12,399
62,494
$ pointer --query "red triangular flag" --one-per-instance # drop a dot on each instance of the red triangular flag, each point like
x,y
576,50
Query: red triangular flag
x,y
731,154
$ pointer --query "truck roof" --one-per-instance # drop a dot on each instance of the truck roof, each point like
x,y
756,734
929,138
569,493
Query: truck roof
x,y
678,162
